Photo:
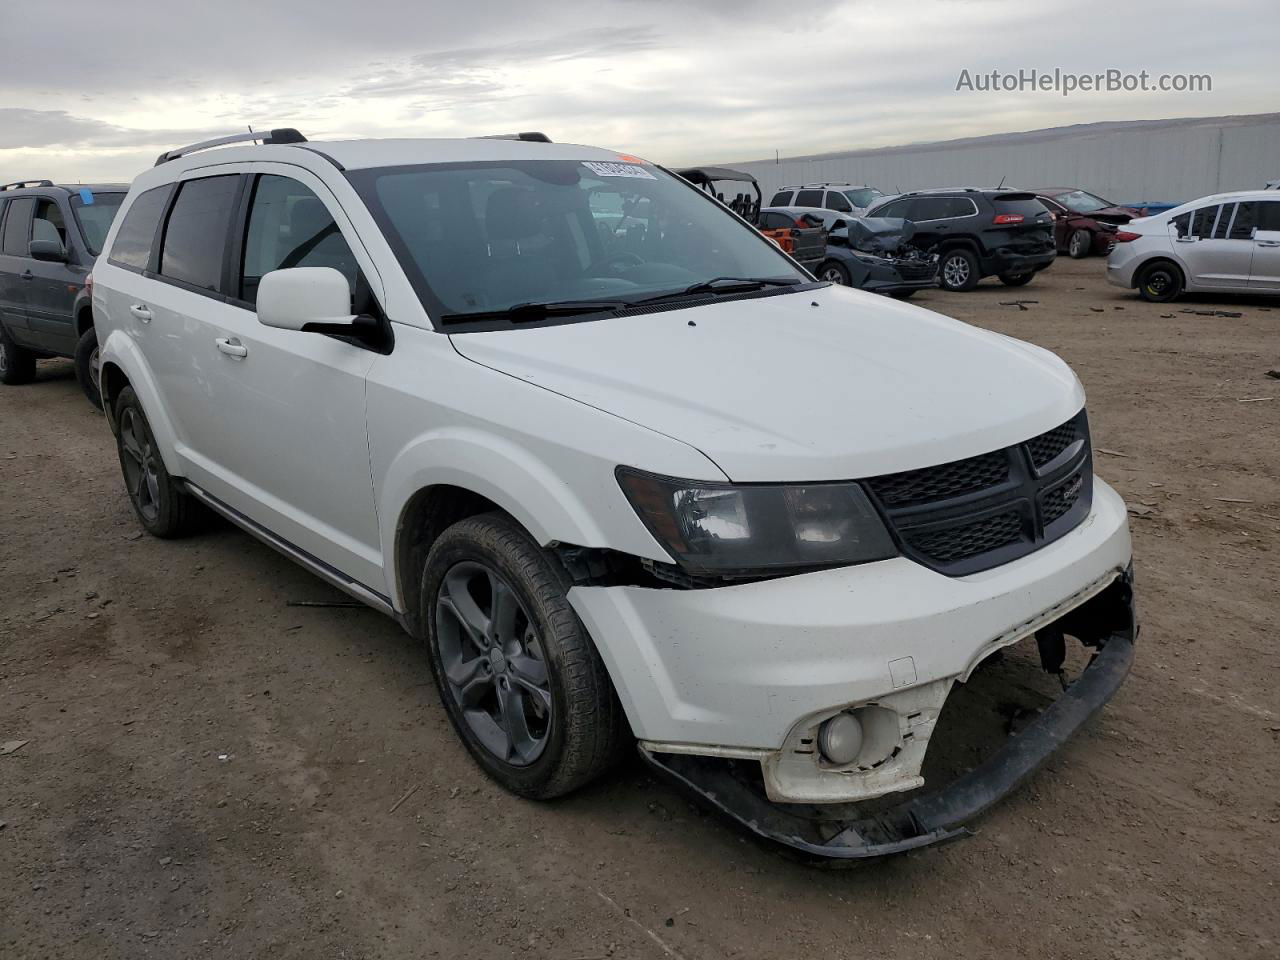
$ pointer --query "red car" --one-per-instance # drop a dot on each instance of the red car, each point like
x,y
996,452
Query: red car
x,y
1083,223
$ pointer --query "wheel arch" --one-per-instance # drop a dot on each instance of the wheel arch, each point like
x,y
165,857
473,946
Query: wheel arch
x,y
426,515
444,476
123,366
1151,261
84,318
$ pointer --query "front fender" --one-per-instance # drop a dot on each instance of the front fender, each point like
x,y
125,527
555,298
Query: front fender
x,y
515,479
119,350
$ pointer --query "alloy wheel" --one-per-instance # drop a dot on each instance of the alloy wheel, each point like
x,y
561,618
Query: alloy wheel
x,y
832,275
140,463
956,271
95,369
1078,241
493,661
4,357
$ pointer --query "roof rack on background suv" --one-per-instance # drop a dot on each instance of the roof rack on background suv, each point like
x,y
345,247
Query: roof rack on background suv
x,y
20,184
280,135
531,136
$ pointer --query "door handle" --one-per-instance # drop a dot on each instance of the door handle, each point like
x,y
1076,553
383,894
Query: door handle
x,y
27,275
232,347
1269,243
1187,239
141,312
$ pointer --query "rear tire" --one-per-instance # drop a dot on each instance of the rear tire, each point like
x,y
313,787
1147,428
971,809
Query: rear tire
x,y
835,272
1160,282
17,364
521,680
89,367
163,506
1017,279
1079,244
959,270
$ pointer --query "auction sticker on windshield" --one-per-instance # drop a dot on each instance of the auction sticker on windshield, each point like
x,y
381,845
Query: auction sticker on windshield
x,y
603,169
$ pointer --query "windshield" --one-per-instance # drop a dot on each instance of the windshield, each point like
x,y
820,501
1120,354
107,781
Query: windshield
x,y
863,196
475,238
1081,202
94,212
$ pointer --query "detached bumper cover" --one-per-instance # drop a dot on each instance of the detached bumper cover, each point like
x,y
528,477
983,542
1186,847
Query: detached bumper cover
x,y
822,833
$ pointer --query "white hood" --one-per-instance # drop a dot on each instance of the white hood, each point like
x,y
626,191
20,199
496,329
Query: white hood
x,y
827,384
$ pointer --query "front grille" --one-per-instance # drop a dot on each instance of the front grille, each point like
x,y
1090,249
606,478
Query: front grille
x,y
915,270
969,539
974,514
1049,445
937,483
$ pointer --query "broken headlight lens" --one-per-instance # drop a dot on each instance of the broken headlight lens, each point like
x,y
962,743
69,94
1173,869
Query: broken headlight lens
x,y
723,528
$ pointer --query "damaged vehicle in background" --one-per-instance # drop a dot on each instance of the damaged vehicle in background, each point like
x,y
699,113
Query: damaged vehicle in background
x,y
1083,224
978,232
874,254
649,487
881,257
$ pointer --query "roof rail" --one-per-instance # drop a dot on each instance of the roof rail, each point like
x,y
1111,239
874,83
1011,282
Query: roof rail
x,y
20,184
531,136
280,135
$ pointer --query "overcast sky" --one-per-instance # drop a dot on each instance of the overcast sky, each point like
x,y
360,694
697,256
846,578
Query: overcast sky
x,y
95,90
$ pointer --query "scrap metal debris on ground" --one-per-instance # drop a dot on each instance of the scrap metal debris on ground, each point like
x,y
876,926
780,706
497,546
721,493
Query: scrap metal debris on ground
x,y
1214,313
1020,304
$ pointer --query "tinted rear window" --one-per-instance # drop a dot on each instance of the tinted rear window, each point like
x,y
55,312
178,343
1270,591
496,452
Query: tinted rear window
x,y
132,246
1024,204
781,199
1269,215
809,198
195,238
941,208
17,227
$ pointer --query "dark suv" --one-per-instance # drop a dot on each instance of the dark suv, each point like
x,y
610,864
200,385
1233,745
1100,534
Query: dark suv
x,y
49,238
978,233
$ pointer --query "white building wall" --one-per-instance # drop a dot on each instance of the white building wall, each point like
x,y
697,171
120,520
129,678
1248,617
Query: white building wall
x,y
1143,161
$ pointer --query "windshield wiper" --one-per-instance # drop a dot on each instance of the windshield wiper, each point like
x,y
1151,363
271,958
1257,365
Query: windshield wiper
x,y
723,285
532,311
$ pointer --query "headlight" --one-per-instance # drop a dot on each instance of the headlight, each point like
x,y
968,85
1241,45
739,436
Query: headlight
x,y
721,528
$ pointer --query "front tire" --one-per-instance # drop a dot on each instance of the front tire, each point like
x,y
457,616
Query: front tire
x,y
521,681
17,365
1017,279
89,367
959,270
1079,244
1160,282
835,272
163,506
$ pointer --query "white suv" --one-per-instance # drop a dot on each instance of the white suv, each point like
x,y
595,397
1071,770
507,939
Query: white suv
x,y
834,203
649,484
1226,243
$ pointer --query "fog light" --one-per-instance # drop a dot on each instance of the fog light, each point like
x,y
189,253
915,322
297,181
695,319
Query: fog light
x,y
840,739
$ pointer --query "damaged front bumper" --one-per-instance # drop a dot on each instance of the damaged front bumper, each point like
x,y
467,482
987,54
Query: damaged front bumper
x,y
841,832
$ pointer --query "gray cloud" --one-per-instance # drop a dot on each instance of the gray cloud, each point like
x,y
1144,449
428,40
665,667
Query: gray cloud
x,y
35,129
669,79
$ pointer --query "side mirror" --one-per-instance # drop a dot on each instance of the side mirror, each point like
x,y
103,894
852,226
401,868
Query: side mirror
x,y
50,251
316,299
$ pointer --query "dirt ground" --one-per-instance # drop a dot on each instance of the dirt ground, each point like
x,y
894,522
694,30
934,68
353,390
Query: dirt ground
x,y
209,772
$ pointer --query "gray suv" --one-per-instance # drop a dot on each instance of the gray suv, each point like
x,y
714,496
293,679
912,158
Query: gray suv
x,y
49,238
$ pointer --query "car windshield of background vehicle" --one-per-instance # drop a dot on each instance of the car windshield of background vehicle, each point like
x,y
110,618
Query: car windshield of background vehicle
x,y
863,196
94,212
1081,202
479,238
